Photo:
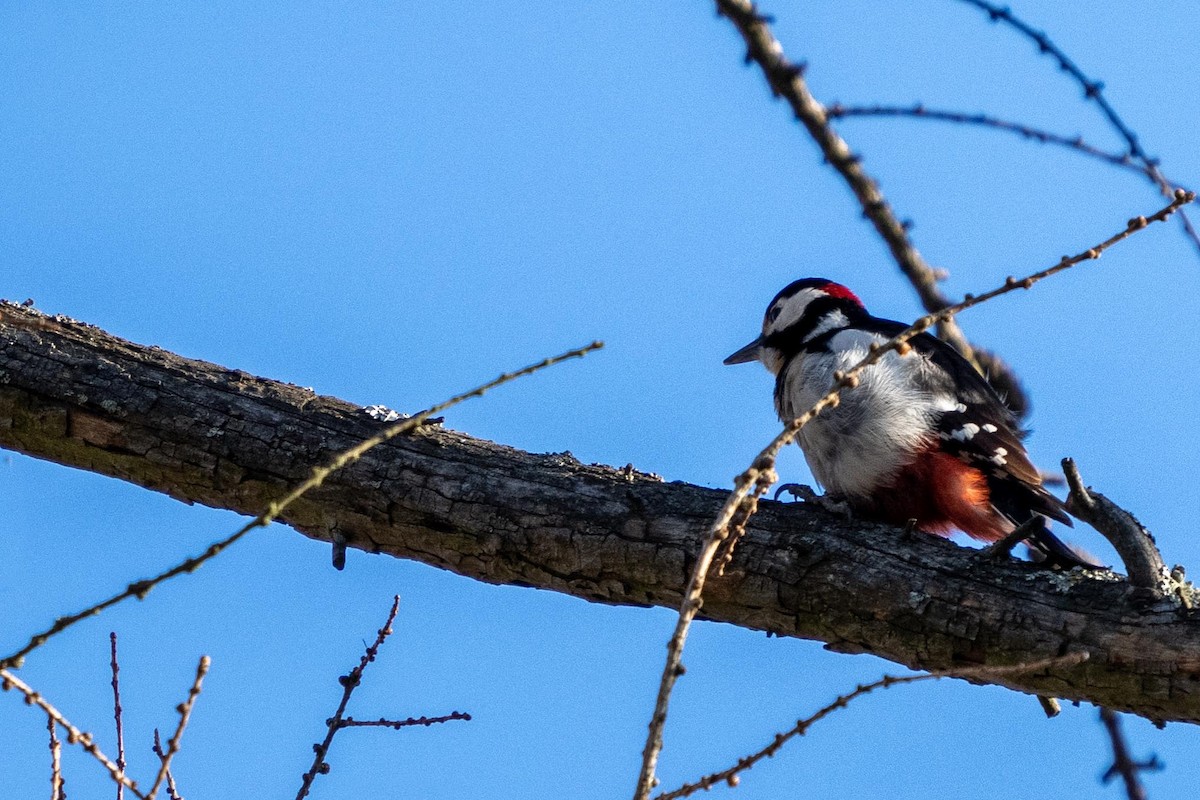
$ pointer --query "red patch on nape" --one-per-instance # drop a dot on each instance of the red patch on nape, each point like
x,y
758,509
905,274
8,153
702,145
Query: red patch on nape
x,y
841,292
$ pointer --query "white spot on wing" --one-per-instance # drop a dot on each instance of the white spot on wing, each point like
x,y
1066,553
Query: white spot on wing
x,y
990,428
948,403
966,432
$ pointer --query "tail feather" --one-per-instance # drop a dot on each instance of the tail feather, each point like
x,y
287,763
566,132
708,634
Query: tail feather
x,y
1019,502
1055,552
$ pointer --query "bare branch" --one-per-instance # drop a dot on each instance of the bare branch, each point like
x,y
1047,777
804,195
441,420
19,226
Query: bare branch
x,y
1092,90
349,683
397,724
317,476
116,687
74,736
1003,547
1132,542
1123,764
185,713
172,792
752,484
786,80
919,111
56,778
730,774
201,433
739,507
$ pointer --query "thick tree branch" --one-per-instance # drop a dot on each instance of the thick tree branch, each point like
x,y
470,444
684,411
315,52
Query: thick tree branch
x,y
205,434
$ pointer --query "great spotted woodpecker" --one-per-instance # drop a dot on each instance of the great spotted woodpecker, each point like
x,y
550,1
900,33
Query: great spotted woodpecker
x,y
922,436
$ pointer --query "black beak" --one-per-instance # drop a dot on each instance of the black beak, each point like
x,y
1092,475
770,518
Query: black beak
x,y
748,353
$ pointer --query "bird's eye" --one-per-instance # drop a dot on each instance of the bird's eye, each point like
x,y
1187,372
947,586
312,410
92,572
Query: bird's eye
x,y
774,313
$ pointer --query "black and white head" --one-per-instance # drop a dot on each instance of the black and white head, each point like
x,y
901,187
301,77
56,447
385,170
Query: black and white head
x,y
805,310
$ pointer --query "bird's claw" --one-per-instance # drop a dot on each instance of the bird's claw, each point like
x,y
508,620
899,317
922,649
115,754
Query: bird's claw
x,y
798,491
825,502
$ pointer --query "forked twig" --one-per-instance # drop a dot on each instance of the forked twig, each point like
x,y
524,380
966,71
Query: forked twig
x,y
140,589
185,713
730,774
172,792
754,482
349,683
1092,90
1123,764
338,721
74,735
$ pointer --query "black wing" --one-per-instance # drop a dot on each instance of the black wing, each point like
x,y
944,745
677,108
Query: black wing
x,y
982,432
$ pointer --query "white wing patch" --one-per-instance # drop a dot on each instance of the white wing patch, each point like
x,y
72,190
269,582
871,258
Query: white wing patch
x,y
966,432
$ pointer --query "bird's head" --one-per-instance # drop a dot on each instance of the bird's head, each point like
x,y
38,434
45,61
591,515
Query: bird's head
x,y
802,311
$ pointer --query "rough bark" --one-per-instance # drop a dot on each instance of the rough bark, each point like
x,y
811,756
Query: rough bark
x,y
201,433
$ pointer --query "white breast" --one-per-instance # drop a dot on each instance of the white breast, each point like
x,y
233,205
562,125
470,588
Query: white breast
x,y
861,444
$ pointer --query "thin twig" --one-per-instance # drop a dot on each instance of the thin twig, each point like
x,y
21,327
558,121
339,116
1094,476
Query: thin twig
x,y
349,683
1123,764
397,724
919,111
1003,547
753,483
1092,90
116,687
185,713
172,792
786,80
140,589
730,774
56,778
74,736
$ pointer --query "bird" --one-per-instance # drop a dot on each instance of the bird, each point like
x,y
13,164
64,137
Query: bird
x,y
922,436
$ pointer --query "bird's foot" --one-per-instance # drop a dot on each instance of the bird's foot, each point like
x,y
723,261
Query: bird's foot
x,y
826,502
798,491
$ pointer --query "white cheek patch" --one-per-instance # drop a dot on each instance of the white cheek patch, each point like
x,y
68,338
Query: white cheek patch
x,y
792,310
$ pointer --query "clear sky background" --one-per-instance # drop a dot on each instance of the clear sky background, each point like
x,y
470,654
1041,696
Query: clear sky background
x,y
393,202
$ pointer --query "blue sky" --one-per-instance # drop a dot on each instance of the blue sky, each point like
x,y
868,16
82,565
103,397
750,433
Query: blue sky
x,y
391,203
